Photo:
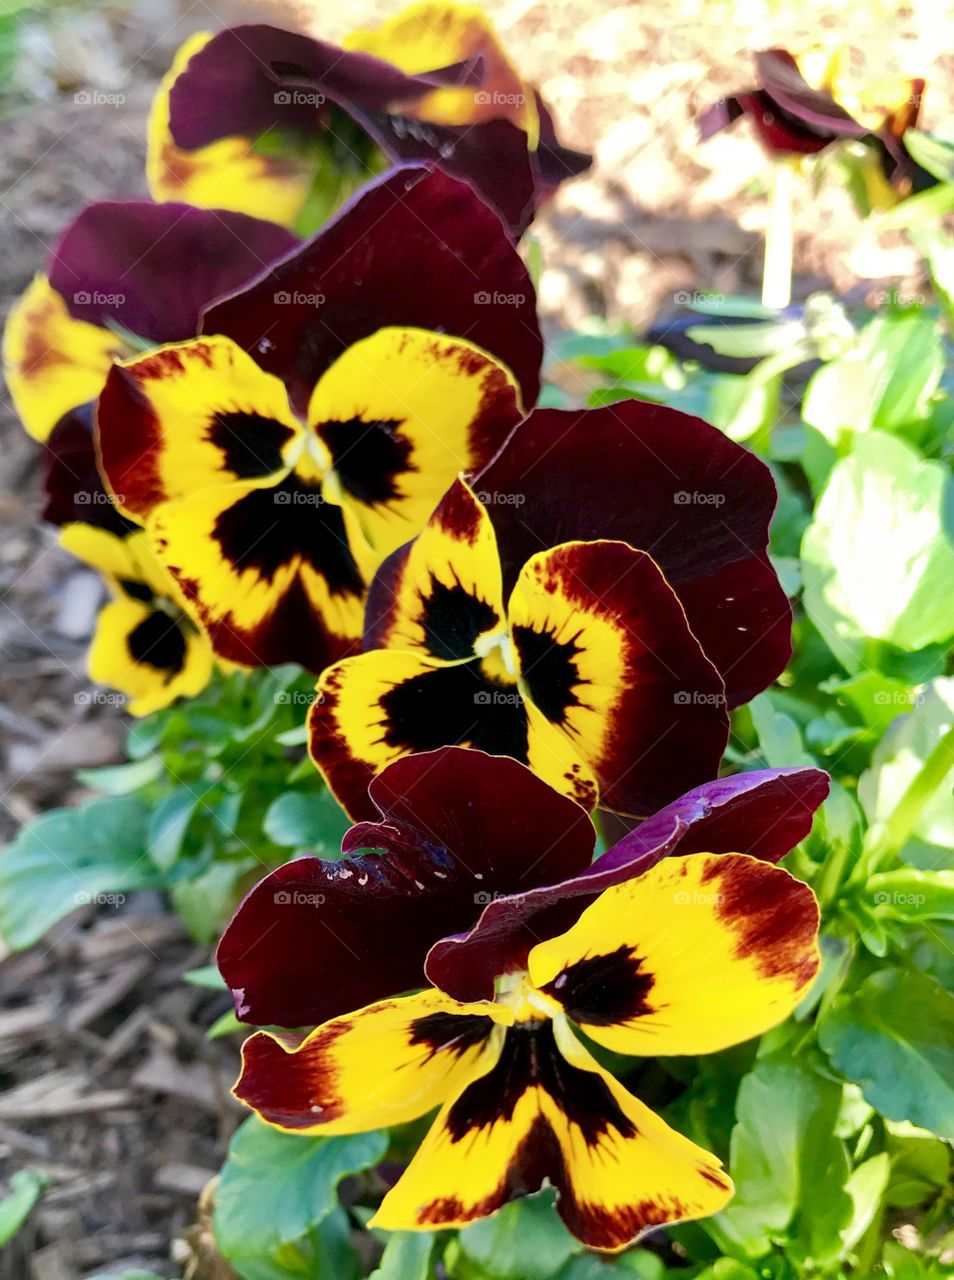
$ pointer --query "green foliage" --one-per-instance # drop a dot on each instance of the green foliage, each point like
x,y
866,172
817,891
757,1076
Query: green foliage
x,y
26,1187
276,1220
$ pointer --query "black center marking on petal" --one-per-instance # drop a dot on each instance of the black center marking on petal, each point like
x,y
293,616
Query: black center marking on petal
x,y
158,642
368,457
530,1057
454,705
452,619
604,990
137,590
268,528
548,669
251,444
453,1032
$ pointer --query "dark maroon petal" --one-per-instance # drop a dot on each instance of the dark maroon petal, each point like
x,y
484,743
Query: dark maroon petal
x,y
779,77
72,486
415,248
316,939
555,163
152,268
491,157
764,813
231,87
666,483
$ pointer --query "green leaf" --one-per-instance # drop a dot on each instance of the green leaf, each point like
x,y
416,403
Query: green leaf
x,y
866,1187
311,820
894,1037
885,382
934,154
788,1166
524,1241
407,1256
920,1165
897,761
26,1187
168,824
225,1025
206,901
121,779
206,976
877,560
67,857
275,1186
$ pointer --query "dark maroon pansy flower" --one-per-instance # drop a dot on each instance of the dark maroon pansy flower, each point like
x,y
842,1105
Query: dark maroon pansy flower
x,y
478,860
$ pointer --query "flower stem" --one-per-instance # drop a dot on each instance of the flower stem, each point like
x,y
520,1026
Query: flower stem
x,y
777,267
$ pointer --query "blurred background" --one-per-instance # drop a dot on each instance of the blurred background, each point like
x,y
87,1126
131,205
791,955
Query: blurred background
x,y
659,217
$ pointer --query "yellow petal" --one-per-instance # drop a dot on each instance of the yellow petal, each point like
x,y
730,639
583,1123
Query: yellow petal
x,y
51,362
384,1065
699,953
226,174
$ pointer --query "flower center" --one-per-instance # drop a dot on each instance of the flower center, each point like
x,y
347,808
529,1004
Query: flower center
x,y
495,651
517,992
310,459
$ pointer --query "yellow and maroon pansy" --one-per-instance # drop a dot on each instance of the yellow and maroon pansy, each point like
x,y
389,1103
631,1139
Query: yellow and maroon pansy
x,y
699,952
589,674
272,523
471,861
145,644
431,86
116,281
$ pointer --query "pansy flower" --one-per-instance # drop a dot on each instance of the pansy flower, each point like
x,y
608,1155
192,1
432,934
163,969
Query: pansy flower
x,y
277,120
123,275
592,610
680,940
145,644
280,459
790,116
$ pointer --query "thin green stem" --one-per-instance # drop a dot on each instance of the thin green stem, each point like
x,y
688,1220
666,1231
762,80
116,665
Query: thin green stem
x,y
779,235
888,837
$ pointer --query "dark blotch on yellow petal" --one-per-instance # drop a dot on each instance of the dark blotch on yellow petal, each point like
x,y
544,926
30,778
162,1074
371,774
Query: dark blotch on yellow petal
x,y
604,990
